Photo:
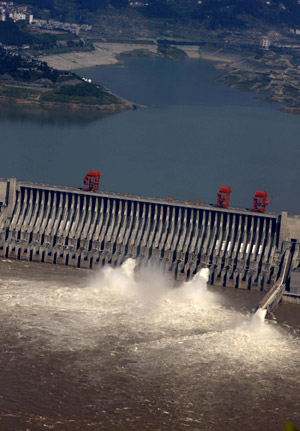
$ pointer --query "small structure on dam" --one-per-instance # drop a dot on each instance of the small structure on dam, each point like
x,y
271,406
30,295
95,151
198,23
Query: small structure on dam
x,y
68,226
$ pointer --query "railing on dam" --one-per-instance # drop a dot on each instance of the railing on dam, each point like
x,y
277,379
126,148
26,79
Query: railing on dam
x,y
71,227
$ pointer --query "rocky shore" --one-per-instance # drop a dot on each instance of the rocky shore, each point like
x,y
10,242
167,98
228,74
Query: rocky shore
x,y
273,77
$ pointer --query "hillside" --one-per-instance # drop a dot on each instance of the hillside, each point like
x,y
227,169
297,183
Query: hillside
x,y
259,39
213,14
29,81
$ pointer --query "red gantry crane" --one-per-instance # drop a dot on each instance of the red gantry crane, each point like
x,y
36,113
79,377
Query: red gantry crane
x,y
91,181
223,197
260,202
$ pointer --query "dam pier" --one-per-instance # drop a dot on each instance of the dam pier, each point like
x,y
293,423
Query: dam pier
x,y
68,226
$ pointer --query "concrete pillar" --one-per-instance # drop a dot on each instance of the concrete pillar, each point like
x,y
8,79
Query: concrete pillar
x,y
195,232
136,221
128,229
202,244
109,219
161,223
153,228
140,227
147,228
11,195
283,233
189,231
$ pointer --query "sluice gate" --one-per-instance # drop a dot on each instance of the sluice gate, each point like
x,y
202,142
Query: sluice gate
x,y
67,226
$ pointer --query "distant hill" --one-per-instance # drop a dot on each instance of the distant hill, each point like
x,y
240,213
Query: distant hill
x,y
211,13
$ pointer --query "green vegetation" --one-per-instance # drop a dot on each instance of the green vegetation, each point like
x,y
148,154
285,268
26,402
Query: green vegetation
x,y
17,34
160,9
211,13
19,93
83,93
163,50
29,81
22,69
37,52
136,53
171,52
289,426
11,34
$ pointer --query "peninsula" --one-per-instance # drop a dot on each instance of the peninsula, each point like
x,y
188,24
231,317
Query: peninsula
x,y
28,81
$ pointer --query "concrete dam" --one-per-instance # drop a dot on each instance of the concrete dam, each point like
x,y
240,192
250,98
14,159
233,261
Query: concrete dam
x,y
67,226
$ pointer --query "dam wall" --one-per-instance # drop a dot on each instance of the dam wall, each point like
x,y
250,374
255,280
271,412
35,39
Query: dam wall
x,y
68,226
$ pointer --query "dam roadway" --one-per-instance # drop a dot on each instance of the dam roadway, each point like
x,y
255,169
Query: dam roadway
x,y
68,226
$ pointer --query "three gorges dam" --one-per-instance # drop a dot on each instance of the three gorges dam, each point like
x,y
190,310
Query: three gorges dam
x,y
68,226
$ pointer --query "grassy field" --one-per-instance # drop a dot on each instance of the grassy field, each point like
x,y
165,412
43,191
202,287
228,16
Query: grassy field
x,y
19,93
82,93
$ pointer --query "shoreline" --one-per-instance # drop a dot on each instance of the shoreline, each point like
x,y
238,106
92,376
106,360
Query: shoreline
x,y
123,105
104,54
107,54
69,106
245,70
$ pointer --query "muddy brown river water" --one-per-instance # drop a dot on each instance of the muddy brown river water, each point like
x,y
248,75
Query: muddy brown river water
x,y
117,351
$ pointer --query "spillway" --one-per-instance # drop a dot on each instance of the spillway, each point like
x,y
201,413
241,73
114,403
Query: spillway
x,y
68,226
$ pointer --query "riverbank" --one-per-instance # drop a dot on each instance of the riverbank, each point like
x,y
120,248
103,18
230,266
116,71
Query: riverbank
x,y
115,107
107,54
76,96
104,54
272,76
70,99
268,74
27,81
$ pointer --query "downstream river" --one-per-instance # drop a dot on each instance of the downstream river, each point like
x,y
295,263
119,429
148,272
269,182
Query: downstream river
x,y
115,351
195,136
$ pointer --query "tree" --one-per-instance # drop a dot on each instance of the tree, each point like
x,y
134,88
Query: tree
x,y
160,9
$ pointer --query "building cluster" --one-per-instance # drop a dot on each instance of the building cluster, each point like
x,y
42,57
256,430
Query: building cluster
x,y
137,3
51,24
8,10
295,31
265,42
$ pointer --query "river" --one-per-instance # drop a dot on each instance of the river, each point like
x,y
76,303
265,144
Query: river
x,y
116,351
195,136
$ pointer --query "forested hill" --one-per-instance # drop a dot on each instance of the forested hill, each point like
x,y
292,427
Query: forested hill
x,y
17,34
211,13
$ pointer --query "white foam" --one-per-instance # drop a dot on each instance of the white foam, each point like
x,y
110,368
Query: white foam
x,y
258,318
144,304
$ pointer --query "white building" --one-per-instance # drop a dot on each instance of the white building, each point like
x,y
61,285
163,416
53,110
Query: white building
x,y
265,42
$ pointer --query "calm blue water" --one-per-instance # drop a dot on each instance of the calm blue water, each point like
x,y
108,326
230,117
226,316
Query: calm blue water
x,y
195,136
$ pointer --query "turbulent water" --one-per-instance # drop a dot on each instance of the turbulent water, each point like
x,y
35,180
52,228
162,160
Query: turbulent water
x,y
125,350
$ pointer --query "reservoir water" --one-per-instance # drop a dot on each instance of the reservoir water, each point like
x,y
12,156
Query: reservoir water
x,y
118,351
195,136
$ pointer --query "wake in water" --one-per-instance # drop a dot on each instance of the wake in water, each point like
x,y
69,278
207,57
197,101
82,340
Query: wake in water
x,y
150,285
126,349
137,305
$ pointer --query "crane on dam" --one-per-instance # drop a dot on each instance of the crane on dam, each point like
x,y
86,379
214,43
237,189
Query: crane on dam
x,y
223,197
92,181
260,202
